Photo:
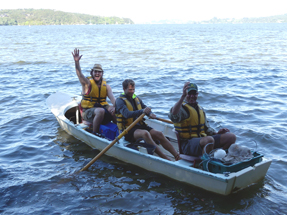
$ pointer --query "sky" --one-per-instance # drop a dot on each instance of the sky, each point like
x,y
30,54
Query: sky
x,y
154,10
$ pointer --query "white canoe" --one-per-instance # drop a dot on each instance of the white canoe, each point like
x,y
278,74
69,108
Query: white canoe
x,y
65,107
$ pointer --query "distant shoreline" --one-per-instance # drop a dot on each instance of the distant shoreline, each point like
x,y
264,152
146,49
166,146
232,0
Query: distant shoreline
x,y
269,19
29,17
145,24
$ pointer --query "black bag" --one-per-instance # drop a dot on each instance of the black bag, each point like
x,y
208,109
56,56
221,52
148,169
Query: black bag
x,y
140,142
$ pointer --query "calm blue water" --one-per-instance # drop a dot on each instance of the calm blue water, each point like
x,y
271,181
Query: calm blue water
x,y
241,74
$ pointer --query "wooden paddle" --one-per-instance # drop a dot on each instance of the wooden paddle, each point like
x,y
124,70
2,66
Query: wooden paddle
x,y
164,120
112,143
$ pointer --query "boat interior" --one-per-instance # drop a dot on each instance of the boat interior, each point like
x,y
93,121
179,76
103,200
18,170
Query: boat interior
x,y
74,115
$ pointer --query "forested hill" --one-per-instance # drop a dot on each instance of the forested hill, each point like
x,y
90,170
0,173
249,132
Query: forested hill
x,y
53,17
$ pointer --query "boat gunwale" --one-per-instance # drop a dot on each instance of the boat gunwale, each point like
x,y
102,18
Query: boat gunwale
x,y
228,180
221,176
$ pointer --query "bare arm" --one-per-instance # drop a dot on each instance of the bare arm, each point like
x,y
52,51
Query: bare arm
x,y
83,80
111,95
175,109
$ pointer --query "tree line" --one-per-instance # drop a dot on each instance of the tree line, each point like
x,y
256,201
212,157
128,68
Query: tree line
x,y
52,17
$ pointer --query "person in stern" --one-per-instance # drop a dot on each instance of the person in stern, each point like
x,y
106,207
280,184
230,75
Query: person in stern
x,y
95,90
192,126
128,108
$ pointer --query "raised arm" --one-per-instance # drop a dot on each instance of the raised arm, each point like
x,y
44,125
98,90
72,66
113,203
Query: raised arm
x,y
175,109
83,80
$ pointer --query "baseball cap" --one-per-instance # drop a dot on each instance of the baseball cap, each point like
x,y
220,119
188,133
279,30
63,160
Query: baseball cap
x,y
192,86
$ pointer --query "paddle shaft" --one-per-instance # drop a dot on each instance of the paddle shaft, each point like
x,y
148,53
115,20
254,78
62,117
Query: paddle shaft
x,y
164,120
112,143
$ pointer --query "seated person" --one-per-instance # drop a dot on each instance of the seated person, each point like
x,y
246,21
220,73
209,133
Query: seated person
x,y
95,90
192,126
128,108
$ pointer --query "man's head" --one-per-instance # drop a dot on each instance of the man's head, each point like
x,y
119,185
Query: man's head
x,y
97,72
192,93
129,87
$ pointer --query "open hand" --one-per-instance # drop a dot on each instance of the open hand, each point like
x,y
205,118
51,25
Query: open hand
x,y
76,55
185,87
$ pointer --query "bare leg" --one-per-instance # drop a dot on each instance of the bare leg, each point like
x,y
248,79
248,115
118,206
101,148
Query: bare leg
x,y
98,118
206,140
226,140
139,133
157,135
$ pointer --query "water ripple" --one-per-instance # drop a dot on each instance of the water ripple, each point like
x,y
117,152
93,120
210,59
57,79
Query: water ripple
x,y
241,74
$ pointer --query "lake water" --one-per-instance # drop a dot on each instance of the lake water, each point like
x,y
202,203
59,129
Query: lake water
x,y
241,73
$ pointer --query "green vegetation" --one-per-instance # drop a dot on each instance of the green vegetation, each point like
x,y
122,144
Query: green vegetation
x,y
52,17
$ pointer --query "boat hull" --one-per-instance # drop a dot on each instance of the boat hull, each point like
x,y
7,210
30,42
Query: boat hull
x,y
181,170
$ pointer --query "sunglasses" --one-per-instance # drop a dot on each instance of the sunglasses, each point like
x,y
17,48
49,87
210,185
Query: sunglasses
x,y
193,93
97,71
